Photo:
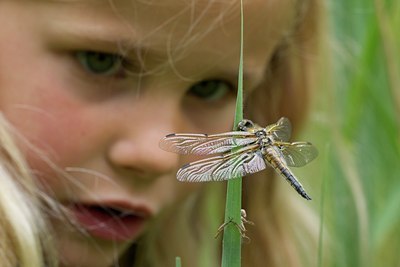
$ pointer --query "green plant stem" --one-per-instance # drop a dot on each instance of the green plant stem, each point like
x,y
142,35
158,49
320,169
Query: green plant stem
x,y
178,262
231,244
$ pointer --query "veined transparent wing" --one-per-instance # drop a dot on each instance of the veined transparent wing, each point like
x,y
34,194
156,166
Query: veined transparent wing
x,y
203,144
231,165
281,131
298,154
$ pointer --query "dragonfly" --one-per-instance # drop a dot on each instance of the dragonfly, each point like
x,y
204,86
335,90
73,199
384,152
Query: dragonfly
x,y
248,150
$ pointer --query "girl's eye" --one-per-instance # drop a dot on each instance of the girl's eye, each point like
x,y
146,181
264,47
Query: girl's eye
x,y
100,63
211,90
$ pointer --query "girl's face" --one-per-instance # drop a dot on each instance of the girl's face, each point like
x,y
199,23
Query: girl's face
x,y
93,85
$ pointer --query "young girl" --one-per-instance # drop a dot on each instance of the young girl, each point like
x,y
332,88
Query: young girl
x,y
88,88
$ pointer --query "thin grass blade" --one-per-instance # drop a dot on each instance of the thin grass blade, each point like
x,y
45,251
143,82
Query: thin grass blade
x,y
231,245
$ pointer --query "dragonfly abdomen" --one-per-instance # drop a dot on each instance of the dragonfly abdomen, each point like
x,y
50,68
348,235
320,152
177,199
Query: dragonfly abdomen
x,y
276,161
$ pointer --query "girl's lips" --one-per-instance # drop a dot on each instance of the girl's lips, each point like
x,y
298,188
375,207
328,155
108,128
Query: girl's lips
x,y
110,222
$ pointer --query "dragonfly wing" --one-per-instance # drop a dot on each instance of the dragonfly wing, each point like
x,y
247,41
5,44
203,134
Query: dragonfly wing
x,y
298,154
244,161
281,131
203,144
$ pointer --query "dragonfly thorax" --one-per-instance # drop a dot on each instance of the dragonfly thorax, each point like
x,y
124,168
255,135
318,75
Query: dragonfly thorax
x,y
261,133
265,142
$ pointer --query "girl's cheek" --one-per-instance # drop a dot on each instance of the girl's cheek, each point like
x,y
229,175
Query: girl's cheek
x,y
53,126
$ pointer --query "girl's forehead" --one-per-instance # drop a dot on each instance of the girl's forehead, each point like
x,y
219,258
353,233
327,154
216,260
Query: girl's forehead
x,y
180,21
190,14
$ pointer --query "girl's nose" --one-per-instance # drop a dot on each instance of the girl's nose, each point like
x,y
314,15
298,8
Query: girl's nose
x,y
136,149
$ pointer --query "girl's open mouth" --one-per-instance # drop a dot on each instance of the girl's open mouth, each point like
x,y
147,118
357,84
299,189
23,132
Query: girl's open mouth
x,y
110,222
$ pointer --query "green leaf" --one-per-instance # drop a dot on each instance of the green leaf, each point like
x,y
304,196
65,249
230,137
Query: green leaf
x,y
231,246
178,262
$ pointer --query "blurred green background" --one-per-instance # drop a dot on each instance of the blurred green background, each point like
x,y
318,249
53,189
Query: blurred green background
x,y
355,123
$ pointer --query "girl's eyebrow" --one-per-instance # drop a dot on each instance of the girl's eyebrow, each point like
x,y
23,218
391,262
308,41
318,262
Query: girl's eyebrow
x,y
79,1
90,20
107,36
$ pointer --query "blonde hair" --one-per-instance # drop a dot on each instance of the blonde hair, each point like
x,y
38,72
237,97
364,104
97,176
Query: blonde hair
x,y
22,226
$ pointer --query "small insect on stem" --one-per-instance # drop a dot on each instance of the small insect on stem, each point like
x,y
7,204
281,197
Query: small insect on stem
x,y
240,226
